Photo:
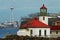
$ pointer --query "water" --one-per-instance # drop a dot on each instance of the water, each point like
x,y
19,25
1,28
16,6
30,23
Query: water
x,y
5,31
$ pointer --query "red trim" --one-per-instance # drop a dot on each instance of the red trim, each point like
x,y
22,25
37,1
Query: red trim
x,y
55,27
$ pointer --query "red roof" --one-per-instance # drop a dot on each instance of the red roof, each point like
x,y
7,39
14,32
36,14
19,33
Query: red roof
x,y
55,27
34,24
43,7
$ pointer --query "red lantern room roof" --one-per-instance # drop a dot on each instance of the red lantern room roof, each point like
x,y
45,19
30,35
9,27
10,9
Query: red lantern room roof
x,y
43,7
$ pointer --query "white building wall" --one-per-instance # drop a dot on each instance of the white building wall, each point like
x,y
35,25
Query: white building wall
x,y
48,32
44,21
23,32
36,31
42,32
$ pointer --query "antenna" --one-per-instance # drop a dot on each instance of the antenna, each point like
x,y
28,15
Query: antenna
x,y
11,15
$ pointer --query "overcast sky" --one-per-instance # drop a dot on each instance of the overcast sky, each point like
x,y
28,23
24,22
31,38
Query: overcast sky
x,y
24,7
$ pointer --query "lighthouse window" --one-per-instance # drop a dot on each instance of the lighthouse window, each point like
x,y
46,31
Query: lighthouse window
x,y
43,18
39,32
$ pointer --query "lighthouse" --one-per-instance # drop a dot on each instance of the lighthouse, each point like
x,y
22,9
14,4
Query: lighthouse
x,y
43,17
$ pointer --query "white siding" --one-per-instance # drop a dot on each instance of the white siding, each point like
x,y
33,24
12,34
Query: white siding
x,y
23,32
36,31
44,21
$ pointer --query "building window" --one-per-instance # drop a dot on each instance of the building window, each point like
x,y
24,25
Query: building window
x,y
43,18
50,32
31,32
45,32
56,32
39,32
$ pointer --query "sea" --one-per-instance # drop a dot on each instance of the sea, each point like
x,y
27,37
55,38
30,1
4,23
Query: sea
x,y
7,31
